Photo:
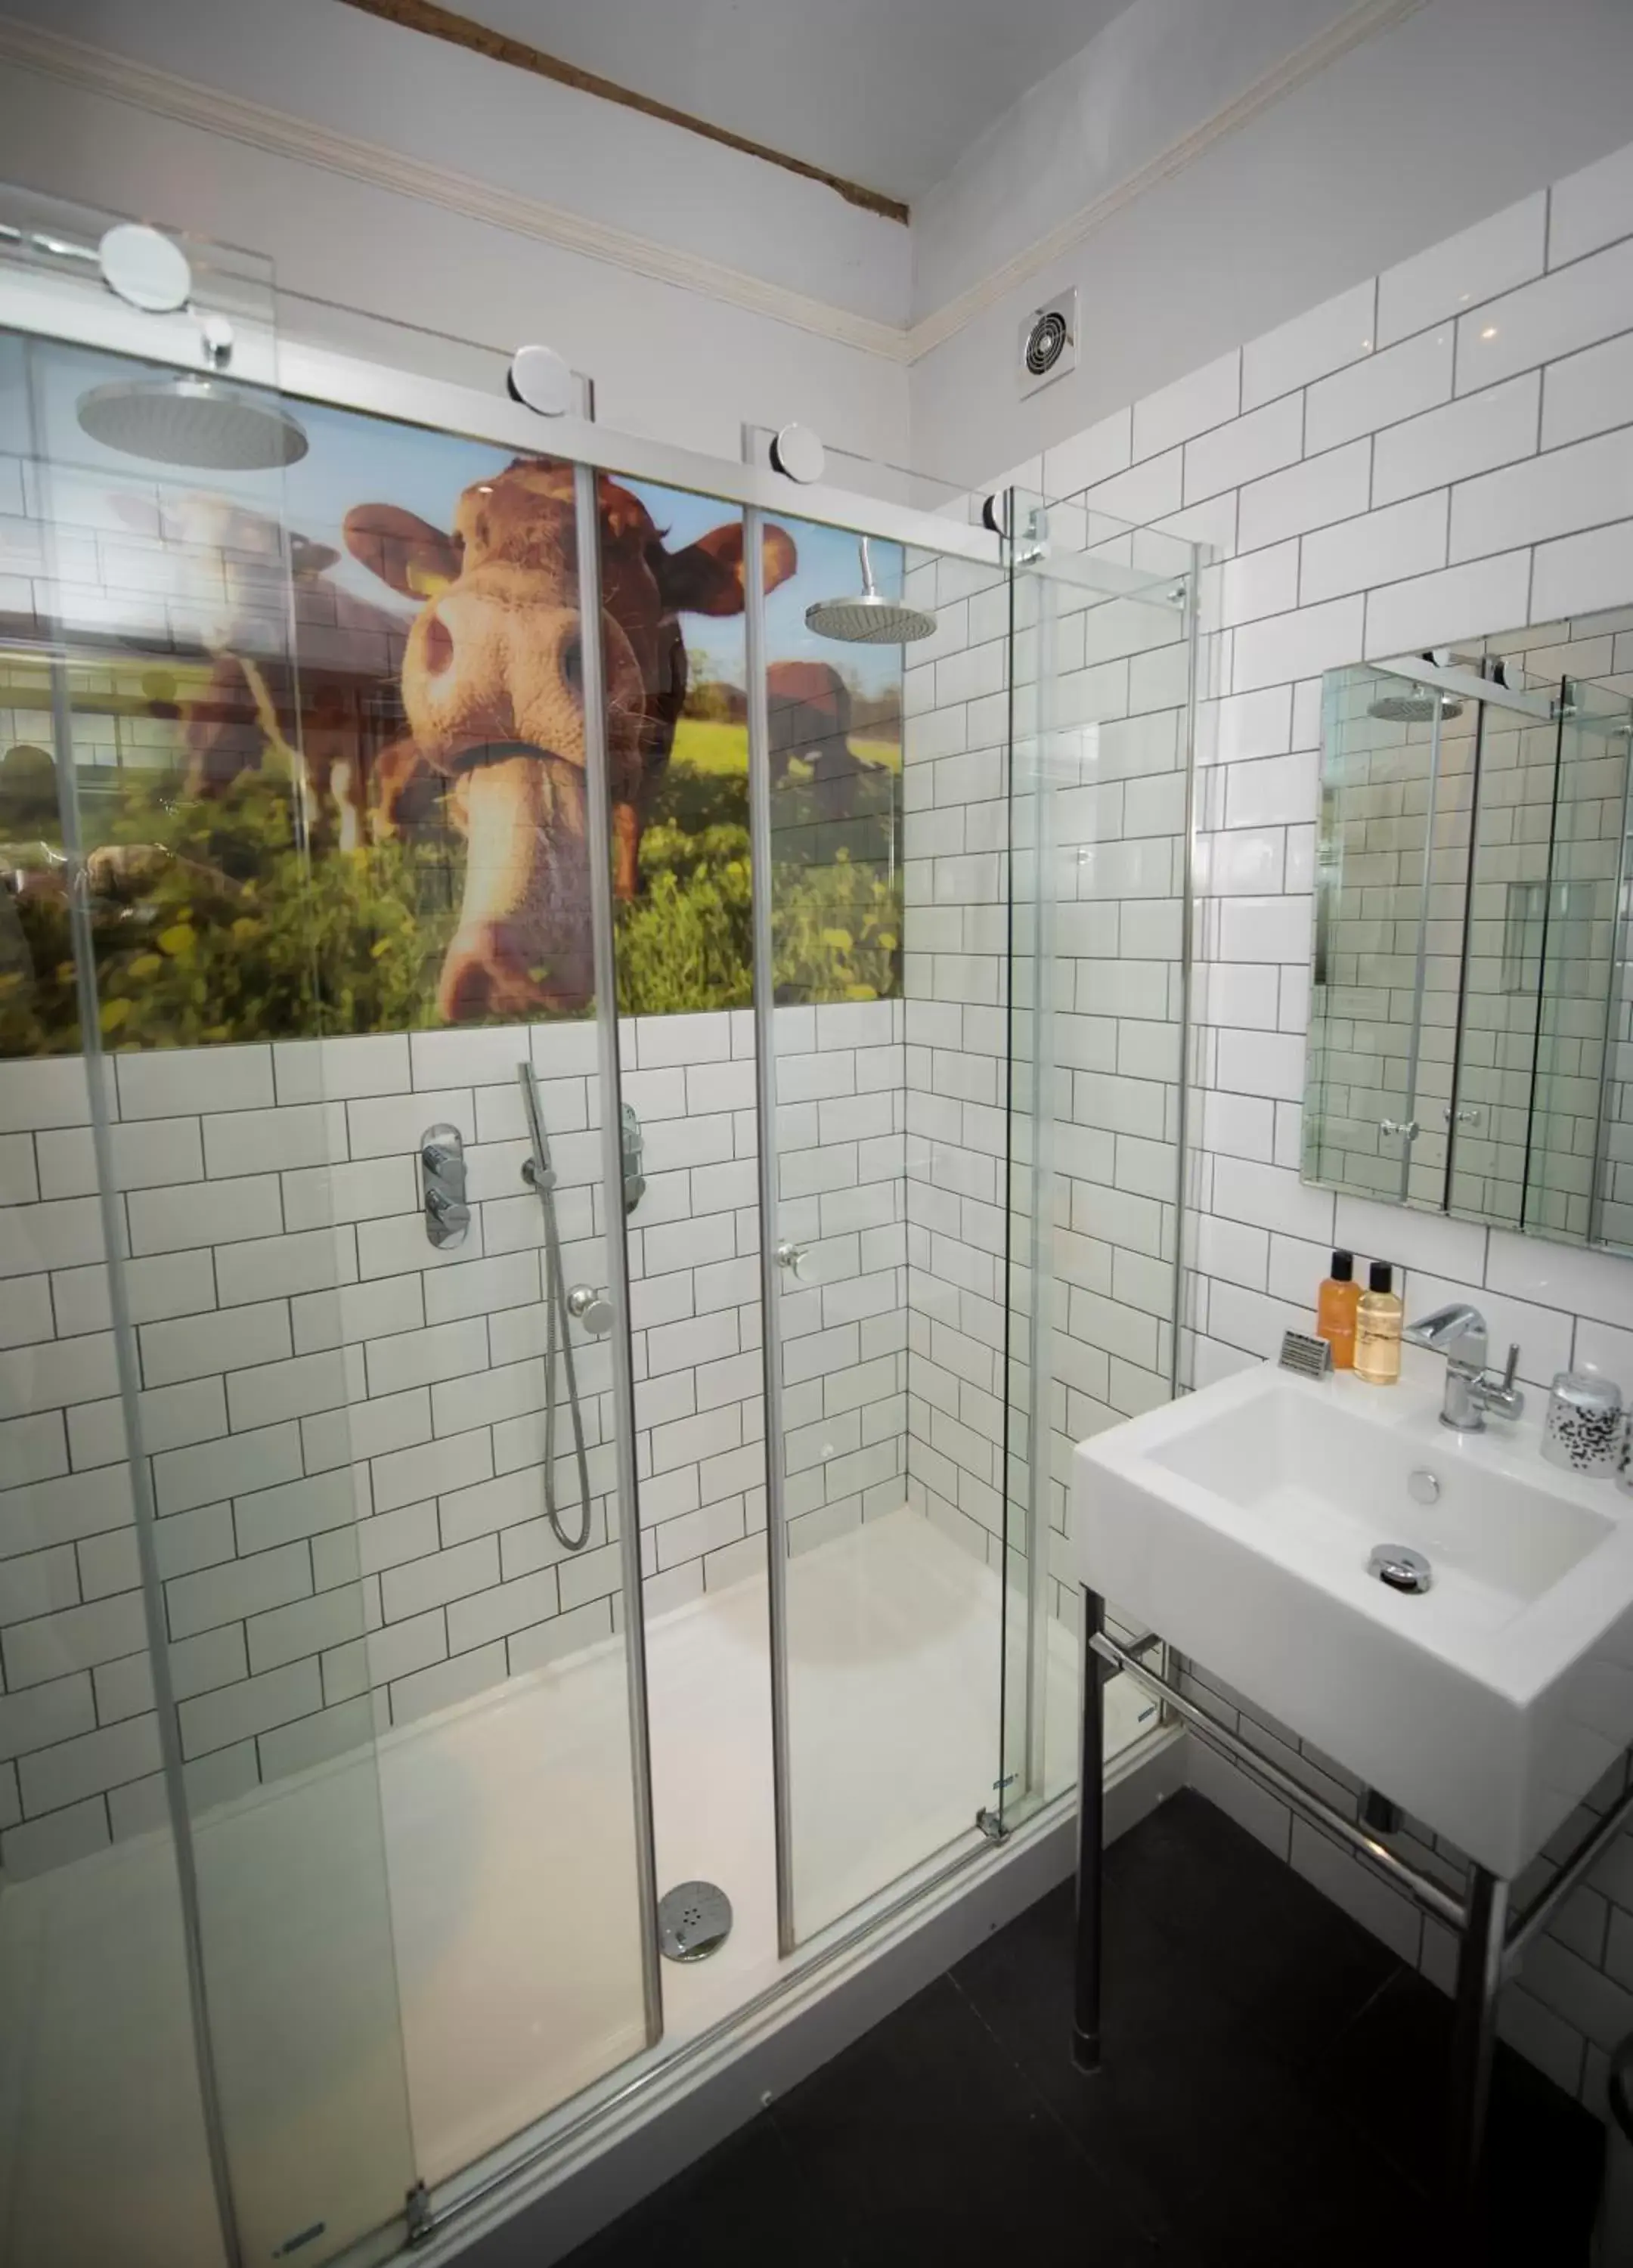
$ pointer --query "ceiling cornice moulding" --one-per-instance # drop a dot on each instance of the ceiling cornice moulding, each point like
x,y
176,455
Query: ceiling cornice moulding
x,y
165,95
98,70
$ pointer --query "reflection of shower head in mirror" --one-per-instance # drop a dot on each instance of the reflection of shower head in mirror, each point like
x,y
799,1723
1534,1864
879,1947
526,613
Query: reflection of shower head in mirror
x,y
194,421
1417,705
1413,706
870,618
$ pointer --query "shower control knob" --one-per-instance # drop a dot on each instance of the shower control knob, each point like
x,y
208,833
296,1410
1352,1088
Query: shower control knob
x,y
592,1308
789,1258
452,1216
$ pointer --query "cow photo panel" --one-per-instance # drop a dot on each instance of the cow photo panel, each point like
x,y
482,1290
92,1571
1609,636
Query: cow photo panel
x,y
328,749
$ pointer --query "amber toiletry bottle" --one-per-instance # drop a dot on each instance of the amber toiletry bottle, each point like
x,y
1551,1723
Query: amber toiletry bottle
x,y
1377,1328
1336,1304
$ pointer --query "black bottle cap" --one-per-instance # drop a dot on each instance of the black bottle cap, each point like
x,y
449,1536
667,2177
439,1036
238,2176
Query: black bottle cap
x,y
1381,1278
1344,1266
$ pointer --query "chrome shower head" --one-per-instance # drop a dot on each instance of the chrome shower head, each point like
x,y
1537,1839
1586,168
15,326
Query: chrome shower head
x,y
1414,705
870,618
196,421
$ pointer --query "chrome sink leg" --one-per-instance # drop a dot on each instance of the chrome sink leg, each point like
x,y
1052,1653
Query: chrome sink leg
x,y
1085,2015
1480,1966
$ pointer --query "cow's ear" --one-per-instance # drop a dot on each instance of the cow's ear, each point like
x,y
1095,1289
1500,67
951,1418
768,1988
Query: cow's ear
x,y
402,549
707,577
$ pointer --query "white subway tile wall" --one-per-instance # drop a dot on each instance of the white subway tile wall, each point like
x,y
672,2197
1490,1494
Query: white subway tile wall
x,y
345,1427
1487,381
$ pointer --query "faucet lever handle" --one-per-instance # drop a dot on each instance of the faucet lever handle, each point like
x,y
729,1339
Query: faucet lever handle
x,y
1511,1367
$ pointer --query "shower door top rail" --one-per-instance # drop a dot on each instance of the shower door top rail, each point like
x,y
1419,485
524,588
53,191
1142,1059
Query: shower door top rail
x,y
64,308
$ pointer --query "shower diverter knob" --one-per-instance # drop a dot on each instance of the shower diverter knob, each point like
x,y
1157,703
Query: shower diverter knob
x,y
592,1308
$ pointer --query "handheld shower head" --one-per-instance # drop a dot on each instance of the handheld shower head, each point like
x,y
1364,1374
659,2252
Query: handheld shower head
x,y
869,619
196,421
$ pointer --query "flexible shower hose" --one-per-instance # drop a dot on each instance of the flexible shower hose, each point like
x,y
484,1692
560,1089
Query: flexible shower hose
x,y
541,1175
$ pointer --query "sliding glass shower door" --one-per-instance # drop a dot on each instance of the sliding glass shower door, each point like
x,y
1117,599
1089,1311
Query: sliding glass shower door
x,y
197,1959
881,1078
322,1784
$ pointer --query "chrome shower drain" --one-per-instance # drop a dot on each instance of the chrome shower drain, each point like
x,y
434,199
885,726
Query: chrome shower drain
x,y
694,1920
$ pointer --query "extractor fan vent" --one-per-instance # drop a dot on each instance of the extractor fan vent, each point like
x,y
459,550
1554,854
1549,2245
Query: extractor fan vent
x,y
1048,342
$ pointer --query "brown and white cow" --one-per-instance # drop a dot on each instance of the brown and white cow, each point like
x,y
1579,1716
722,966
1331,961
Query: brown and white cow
x,y
808,718
230,570
492,689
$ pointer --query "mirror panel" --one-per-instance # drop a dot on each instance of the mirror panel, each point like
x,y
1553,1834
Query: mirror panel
x,y
1471,1011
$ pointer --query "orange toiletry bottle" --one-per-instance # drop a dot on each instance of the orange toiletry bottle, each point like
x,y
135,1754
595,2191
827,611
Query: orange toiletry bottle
x,y
1336,1304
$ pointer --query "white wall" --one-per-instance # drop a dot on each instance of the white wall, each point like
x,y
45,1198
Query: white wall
x,y
1440,452
1462,108
679,362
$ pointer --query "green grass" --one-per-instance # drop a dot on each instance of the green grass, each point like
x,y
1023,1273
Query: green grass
x,y
246,932
718,750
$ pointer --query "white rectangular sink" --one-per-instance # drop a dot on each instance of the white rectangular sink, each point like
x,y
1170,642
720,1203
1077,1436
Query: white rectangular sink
x,y
1238,1523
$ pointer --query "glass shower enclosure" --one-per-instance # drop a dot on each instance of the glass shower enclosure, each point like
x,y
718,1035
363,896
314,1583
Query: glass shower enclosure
x,y
572,1172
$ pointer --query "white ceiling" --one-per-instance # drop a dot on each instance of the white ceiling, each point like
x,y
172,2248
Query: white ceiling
x,y
887,92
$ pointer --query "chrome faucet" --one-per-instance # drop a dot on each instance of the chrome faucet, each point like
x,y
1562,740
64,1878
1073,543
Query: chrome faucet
x,y
1459,1333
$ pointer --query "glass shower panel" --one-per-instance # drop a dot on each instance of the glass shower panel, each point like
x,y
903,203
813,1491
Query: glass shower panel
x,y
1612,1217
1507,944
464,869
1589,804
1398,770
1101,760
203,1598
884,832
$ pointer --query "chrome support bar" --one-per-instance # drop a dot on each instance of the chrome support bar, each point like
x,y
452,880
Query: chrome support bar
x,y
779,1260
598,810
1469,685
1419,1888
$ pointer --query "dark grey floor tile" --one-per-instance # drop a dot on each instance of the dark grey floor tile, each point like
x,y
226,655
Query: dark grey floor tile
x,y
1295,1966
932,2146
1385,2075
1271,2098
744,2205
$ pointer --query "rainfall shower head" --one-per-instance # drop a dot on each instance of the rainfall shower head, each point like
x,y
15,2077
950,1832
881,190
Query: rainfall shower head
x,y
1414,705
191,421
869,619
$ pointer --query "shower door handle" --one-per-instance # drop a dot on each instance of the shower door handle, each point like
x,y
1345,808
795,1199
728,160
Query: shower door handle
x,y
789,1258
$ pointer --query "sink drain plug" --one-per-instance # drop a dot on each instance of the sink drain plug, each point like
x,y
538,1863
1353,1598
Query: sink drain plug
x,y
694,1920
1401,1567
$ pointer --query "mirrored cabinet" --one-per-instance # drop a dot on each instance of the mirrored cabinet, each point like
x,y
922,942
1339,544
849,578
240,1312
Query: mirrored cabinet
x,y
1471,1032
